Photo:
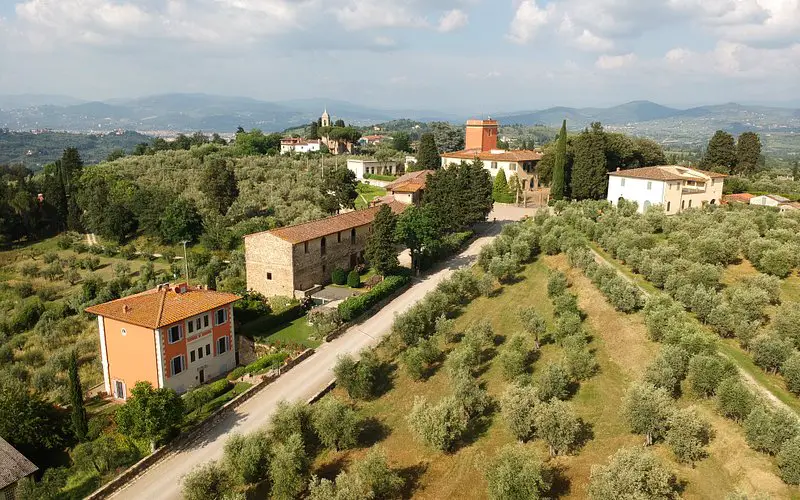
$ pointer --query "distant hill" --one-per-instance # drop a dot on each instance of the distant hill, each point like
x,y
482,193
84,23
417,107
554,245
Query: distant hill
x,y
35,150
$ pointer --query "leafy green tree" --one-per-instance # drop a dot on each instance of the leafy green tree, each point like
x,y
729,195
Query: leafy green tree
x,y
210,481
500,190
428,154
370,477
293,418
381,251
767,429
721,152
748,153
289,468
354,279
706,372
342,183
518,406
769,351
647,410
104,454
668,369
418,359
336,423
468,393
557,284
448,138
313,131
791,372
554,382
504,267
459,196
440,426
514,358
558,189
558,425
688,435
106,208
248,457
789,461
516,473
360,379
180,221
80,423
589,179
152,414
416,230
734,399
632,473
218,183
533,323
401,141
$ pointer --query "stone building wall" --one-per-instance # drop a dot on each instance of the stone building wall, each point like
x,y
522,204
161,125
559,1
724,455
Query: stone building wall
x,y
312,268
267,256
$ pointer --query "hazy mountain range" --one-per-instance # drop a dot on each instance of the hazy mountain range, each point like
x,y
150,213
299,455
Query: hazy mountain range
x,y
211,113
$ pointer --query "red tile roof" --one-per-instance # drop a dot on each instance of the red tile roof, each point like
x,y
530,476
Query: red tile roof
x,y
419,177
163,306
667,173
329,225
738,198
497,155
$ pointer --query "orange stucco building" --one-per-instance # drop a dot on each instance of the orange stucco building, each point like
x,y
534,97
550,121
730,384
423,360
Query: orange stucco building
x,y
172,336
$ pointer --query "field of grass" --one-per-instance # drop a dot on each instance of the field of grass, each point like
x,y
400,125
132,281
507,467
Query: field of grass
x,y
295,332
366,193
622,351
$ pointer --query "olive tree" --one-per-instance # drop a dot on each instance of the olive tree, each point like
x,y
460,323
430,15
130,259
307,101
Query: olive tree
x,y
769,352
734,399
289,468
516,473
554,382
632,473
668,369
248,457
706,372
439,426
767,429
533,323
210,481
370,477
647,410
558,425
336,423
514,358
791,372
518,407
789,461
688,435
361,378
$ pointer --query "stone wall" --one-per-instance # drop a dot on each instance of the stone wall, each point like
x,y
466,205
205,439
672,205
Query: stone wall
x,y
312,268
267,254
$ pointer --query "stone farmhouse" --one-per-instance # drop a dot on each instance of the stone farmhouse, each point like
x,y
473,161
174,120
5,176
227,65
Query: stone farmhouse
x,y
13,467
408,189
674,187
176,336
293,260
481,144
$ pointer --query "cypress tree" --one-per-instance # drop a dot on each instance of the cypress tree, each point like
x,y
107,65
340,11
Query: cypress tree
x,y
80,423
721,152
380,251
748,153
557,188
428,154
500,192
589,170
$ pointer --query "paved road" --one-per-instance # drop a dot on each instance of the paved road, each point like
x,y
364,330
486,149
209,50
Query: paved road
x,y
162,481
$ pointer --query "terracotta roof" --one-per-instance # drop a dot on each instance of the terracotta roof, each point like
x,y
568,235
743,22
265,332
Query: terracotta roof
x,y
667,173
329,225
382,200
408,187
738,198
496,155
162,306
419,177
13,465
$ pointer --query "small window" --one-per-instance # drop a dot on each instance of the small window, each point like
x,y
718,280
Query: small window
x,y
119,389
649,185
205,321
669,205
198,324
222,316
208,349
222,345
174,334
200,352
269,276
690,203
177,365
683,204
339,237
191,356
353,236
305,247
622,181
124,332
322,244
190,326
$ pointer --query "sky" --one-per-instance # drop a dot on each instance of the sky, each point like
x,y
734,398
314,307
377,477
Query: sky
x,y
480,56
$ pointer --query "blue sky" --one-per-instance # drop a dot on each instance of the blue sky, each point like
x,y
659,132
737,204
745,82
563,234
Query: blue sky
x,y
477,56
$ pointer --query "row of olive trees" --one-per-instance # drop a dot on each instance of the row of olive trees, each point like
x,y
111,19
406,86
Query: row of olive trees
x,y
278,458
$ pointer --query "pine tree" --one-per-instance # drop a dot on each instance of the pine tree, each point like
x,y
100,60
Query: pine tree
x,y
721,152
380,251
558,188
500,192
428,154
748,153
80,424
588,176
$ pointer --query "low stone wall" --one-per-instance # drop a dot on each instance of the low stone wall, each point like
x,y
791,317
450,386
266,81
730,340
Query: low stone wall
x,y
191,435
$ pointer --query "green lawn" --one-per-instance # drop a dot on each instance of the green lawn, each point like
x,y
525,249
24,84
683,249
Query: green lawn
x,y
207,409
366,193
296,332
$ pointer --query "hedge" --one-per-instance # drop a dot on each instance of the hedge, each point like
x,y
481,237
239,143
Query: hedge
x,y
354,307
196,398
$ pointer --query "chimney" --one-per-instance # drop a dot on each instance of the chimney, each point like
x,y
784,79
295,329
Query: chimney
x,y
617,169
125,309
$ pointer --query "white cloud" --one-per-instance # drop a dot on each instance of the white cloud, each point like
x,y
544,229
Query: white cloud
x,y
591,42
366,14
528,20
607,62
453,20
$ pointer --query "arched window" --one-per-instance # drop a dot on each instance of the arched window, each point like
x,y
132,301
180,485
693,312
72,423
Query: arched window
x,y
713,202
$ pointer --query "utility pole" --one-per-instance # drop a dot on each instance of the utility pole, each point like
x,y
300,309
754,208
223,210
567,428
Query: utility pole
x,y
185,262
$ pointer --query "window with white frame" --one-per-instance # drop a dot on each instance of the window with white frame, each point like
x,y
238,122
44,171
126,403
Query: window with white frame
x,y
177,364
174,334
222,316
191,356
622,181
222,345
649,185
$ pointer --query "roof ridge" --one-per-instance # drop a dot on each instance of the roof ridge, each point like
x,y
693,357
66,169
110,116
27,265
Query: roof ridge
x,y
161,306
310,222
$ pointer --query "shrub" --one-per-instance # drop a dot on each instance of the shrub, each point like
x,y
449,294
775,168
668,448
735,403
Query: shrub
x,y
324,320
791,373
688,435
354,279
210,481
516,473
632,473
734,399
128,252
554,382
789,461
336,424
647,410
706,372
556,284
361,378
769,352
29,270
339,276
440,426
268,362
518,406
767,429
196,398
353,307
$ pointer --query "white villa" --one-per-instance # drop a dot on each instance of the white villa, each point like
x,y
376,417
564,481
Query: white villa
x,y
297,145
674,187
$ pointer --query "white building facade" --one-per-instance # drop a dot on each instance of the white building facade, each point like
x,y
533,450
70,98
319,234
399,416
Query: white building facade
x,y
673,187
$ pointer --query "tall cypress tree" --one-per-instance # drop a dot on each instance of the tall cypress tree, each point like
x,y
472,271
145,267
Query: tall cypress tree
x,y
80,423
558,188
500,192
589,179
428,154
721,153
748,153
381,251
